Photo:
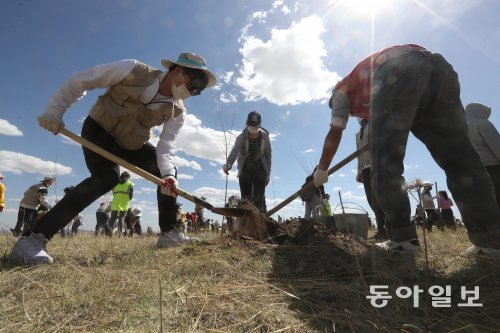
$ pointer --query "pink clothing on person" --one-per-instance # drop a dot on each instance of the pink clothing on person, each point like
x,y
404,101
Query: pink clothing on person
x,y
445,204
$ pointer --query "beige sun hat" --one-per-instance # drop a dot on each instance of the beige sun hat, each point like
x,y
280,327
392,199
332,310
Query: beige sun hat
x,y
192,60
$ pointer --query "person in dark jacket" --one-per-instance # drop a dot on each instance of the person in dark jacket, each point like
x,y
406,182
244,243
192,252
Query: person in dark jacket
x,y
253,150
486,141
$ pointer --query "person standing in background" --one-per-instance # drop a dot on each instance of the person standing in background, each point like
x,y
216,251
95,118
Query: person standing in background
x,y
123,192
2,193
253,150
364,176
486,141
34,196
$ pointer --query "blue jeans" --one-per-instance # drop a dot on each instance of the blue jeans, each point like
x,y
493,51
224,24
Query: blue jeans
x,y
419,92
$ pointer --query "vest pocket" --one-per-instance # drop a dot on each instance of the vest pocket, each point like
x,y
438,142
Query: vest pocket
x,y
134,139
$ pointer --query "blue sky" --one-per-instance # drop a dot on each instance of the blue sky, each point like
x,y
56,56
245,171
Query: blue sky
x,y
280,58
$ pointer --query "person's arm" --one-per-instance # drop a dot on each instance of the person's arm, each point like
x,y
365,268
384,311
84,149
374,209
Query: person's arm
x,y
166,147
340,114
75,87
131,192
491,137
330,147
235,151
43,191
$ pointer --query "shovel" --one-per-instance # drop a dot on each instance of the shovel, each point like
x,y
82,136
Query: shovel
x,y
146,175
309,186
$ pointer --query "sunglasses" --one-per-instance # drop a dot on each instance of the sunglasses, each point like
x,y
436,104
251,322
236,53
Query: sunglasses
x,y
197,86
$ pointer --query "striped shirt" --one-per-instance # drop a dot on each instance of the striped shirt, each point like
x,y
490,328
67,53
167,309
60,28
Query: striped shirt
x,y
253,158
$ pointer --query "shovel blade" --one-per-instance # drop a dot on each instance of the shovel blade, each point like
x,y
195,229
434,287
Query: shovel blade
x,y
234,212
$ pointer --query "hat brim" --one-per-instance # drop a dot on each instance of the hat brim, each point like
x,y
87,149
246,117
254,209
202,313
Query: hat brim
x,y
211,77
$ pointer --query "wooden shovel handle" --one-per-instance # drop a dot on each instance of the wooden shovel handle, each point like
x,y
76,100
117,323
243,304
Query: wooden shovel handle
x,y
309,186
144,174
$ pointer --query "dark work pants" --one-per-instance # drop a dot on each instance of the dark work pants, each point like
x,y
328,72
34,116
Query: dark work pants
x,y
26,219
104,176
372,201
256,179
494,172
419,92
101,220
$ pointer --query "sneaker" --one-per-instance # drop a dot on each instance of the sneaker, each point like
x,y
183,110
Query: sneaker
x,y
477,251
173,238
31,250
410,246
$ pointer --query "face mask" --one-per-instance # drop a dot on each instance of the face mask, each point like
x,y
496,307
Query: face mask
x,y
253,129
180,92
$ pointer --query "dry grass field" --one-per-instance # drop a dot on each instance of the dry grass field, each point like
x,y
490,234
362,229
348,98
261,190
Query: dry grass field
x,y
225,285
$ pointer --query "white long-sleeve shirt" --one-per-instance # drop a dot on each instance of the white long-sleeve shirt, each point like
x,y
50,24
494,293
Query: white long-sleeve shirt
x,y
107,75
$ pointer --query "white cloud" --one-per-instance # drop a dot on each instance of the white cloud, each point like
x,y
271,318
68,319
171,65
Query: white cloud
x,y
7,128
227,76
19,163
182,162
285,10
288,68
185,177
277,3
229,98
198,141
260,16
307,151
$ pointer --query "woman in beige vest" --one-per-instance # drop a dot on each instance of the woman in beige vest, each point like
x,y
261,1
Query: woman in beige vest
x,y
138,97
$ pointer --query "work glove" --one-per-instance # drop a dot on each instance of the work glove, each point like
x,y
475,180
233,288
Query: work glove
x,y
359,177
51,122
320,177
169,186
226,168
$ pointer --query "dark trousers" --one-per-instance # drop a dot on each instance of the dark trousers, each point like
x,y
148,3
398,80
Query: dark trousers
x,y
494,172
372,201
419,92
255,179
116,215
104,176
101,220
26,219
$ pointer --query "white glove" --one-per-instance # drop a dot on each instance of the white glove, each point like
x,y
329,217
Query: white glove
x,y
169,185
320,177
52,123
226,168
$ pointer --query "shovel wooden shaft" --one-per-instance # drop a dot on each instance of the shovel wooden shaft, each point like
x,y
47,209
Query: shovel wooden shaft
x,y
309,186
144,174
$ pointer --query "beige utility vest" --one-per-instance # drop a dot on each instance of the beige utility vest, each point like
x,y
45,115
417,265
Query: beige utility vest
x,y
122,114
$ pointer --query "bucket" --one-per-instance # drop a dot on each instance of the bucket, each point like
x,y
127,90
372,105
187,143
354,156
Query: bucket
x,y
350,223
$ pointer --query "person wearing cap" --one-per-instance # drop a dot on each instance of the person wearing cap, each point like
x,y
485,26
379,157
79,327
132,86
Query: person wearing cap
x,y
428,205
123,192
2,193
35,196
252,149
403,89
137,98
486,141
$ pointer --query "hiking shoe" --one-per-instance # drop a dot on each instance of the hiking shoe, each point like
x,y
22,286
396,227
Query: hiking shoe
x,y
477,251
410,246
173,238
31,250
